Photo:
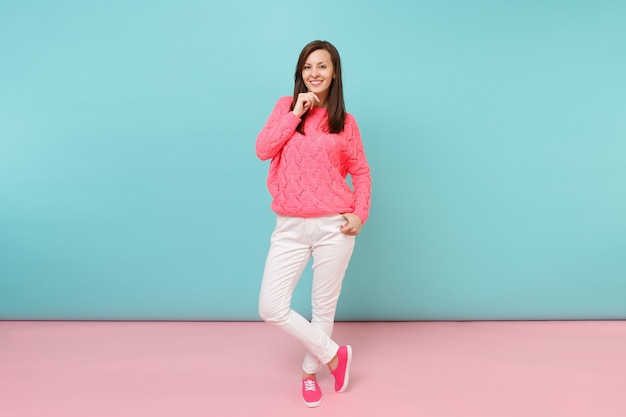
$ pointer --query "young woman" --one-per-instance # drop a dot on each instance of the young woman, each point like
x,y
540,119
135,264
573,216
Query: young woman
x,y
313,145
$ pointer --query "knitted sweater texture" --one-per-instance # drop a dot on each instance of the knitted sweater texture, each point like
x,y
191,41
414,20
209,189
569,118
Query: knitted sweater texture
x,y
307,174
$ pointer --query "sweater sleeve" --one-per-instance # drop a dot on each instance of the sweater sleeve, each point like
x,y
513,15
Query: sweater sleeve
x,y
359,171
278,129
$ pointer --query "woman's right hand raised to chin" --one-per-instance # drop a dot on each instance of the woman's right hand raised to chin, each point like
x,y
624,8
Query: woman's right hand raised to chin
x,y
304,102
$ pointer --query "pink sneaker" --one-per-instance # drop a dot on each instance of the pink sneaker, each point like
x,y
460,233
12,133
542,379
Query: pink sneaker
x,y
342,371
311,393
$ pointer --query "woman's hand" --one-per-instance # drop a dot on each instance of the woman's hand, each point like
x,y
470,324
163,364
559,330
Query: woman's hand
x,y
353,224
304,102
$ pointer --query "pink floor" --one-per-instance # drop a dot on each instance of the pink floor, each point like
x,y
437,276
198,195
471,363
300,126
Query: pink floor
x,y
433,369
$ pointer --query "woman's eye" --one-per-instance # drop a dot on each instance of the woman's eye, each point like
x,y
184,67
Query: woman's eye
x,y
322,66
307,67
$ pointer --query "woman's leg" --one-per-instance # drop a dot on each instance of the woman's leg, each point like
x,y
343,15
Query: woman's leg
x,y
331,255
290,250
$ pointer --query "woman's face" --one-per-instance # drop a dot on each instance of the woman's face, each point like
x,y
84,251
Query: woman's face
x,y
318,73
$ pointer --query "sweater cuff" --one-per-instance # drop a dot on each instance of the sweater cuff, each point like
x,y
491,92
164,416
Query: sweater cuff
x,y
363,214
293,119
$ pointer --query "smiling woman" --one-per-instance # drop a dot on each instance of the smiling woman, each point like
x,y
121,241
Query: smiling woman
x,y
318,80
313,144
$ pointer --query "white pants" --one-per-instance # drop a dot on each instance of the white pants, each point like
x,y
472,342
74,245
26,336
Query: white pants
x,y
293,242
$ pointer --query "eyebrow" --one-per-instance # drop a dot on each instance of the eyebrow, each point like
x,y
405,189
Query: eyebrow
x,y
321,62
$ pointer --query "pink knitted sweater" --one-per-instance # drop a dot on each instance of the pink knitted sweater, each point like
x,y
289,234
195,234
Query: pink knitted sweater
x,y
307,174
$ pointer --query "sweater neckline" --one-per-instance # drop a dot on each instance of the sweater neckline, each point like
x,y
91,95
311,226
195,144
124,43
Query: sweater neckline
x,y
318,112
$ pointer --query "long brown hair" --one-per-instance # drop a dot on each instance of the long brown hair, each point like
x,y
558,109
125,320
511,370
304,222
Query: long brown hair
x,y
334,103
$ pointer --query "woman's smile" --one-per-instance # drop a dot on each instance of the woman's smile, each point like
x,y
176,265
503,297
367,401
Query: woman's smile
x,y
318,73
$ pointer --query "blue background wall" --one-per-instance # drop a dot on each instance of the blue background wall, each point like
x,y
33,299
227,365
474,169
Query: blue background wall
x,y
496,132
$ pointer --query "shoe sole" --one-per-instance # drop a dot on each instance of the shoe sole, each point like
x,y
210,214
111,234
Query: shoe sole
x,y
346,377
312,405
